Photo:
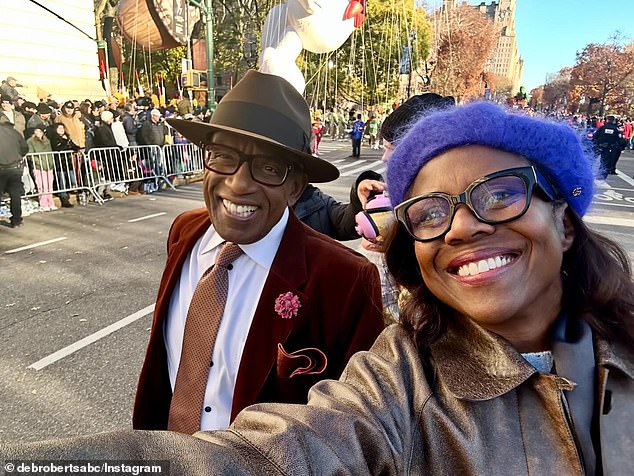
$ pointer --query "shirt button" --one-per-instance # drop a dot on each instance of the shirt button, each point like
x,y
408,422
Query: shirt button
x,y
208,409
229,267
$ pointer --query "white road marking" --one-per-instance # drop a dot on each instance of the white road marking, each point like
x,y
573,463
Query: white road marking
x,y
35,245
625,178
352,164
612,204
597,220
86,341
146,217
360,169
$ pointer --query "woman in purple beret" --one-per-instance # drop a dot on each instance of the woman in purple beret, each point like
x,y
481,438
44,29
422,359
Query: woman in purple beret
x,y
515,354
523,317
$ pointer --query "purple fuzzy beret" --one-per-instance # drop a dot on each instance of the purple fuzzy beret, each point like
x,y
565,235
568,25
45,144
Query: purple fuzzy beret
x,y
554,148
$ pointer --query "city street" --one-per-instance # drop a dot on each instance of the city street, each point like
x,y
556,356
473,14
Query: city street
x,y
79,287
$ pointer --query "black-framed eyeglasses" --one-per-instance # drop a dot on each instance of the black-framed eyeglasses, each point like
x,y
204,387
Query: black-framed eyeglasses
x,y
496,198
264,169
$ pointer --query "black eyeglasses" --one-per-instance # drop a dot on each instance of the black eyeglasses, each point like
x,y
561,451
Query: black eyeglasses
x,y
496,198
266,170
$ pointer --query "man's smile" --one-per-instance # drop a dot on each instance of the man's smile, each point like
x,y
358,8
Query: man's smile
x,y
240,211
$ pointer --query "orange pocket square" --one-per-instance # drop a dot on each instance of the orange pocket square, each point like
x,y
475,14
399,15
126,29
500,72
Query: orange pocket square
x,y
308,361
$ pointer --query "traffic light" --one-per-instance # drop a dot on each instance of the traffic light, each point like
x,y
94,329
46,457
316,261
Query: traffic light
x,y
194,79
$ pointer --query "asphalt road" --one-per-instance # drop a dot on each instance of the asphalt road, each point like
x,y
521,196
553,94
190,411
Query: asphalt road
x,y
75,312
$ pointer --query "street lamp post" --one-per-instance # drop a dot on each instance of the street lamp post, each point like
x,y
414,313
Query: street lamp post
x,y
207,12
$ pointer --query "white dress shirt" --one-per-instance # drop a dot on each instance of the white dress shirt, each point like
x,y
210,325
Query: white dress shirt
x,y
246,281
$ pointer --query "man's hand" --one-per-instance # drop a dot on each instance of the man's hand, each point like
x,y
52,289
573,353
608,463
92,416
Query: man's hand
x,y
368,187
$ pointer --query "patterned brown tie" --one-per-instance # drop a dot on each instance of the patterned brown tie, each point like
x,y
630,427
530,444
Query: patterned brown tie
x,y
201,328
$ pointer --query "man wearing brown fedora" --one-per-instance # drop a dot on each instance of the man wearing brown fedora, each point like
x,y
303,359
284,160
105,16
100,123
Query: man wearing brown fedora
x,y
253,306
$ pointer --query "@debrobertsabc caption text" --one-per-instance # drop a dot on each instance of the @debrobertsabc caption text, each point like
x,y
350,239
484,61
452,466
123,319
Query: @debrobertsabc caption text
x,y
123,468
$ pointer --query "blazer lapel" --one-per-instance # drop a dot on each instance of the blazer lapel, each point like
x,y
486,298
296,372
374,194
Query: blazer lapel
x,y
288,273
179,251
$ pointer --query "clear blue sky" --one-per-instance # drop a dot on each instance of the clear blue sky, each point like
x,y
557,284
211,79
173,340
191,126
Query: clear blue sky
x,y
550,32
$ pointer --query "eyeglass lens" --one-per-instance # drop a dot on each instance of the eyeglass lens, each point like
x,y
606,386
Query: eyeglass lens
x,y
495,200
267,170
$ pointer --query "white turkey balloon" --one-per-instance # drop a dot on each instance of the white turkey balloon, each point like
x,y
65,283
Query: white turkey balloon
x,y
320,26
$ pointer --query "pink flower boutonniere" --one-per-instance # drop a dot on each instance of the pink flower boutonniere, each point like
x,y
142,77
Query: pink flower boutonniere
x,y
287,305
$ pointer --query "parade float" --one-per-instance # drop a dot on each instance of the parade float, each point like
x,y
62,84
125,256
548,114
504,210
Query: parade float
x,y
156,24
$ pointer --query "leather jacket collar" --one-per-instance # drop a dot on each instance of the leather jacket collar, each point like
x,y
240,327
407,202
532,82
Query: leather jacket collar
x,y
615,355
475,364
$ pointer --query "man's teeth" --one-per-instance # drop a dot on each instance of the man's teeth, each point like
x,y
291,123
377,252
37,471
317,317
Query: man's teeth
x,y
484,265
240,210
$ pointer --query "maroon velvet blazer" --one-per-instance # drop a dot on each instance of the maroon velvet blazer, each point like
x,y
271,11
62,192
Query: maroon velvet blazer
x,y
340,314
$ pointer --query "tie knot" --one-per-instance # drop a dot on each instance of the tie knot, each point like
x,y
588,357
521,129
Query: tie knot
x,y
228,254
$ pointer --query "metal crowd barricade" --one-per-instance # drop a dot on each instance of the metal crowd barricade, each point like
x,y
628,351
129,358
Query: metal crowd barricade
x,y
183,159
135,163
60,172
99,169
149,164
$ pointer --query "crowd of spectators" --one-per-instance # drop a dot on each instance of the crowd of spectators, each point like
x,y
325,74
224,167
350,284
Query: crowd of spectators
x,y
60,136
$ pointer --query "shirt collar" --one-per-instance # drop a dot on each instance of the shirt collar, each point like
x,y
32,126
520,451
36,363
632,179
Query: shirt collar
x,y
262,251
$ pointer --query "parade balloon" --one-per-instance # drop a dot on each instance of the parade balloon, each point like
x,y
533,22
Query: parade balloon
x,y
321,28
156,24
304,24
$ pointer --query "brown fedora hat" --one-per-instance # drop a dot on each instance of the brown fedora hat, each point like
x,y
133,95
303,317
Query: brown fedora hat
x,y
268,109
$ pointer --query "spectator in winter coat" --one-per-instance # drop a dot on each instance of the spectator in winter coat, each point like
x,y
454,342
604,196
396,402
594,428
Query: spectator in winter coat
x,y
323,213
184,107
627,132
108,161
74,126
104,137
12,149
42,119
153,130
43,167
28,110
87,119
8,88
16,118
118,129
357,135
129,123
65,177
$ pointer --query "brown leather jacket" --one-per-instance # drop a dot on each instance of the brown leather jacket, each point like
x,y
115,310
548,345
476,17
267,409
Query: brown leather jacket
x,y
477,407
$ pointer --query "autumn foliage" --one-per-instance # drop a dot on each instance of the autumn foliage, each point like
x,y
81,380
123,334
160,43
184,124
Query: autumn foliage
x,y
602,72
464,39
601,81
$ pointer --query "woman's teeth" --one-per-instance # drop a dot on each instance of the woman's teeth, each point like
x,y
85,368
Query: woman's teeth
x,y
484,265
239,210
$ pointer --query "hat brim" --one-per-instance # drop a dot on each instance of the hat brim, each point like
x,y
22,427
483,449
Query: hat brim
x,y
201,134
